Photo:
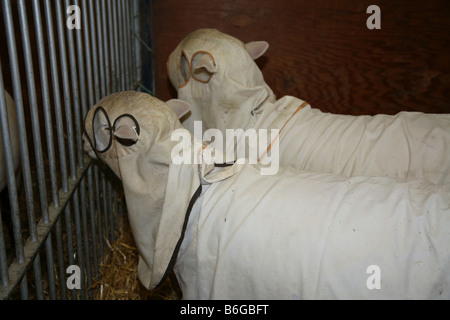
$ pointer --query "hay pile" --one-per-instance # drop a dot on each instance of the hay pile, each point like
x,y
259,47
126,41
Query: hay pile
x,y
118,273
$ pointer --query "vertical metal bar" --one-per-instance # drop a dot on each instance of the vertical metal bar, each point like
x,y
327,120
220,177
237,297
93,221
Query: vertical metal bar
x,y
56,96
15,76
86,241
95,243
66,88
106,217
137,51
99,212
24,288
89,67
111,48
50,147
126,60
69,238
6,143
60,252
35,123
108,176
116,46
4,276
81,74
121,44
37,146
95,68
50,267
79,242
38,277
106,73
129,28
75,91
46,104
121,13
101,61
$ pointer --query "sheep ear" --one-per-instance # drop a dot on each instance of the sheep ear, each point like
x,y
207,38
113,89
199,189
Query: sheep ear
x,y
126,128
257,48
180,107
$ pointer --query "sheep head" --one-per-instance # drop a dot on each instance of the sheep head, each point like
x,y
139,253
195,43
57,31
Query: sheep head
x,y
216,74
130,122
131,133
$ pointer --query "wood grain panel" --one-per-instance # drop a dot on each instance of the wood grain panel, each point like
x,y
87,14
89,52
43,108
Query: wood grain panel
x,y
321,51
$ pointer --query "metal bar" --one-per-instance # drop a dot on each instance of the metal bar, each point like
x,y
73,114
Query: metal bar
x,y
60,252
66,88
75,92
121,44
116,46
100,57
101,61
105,211
46,103
56,96
108,200
99,213
89,68
114,86
130,44
50,267
69,238
17,88
50,148
38,277
79,242
24,288
95,242
137,48
6,143
107,72
34,123
87,243
17,270
95,67
81,74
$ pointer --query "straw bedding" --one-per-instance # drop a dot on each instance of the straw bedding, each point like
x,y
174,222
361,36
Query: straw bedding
x,y
118,273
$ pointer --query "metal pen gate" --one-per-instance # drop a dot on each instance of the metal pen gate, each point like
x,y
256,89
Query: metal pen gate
x,y
58,59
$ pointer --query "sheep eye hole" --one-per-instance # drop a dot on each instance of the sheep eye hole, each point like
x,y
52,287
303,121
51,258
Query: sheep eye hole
x,y
126,142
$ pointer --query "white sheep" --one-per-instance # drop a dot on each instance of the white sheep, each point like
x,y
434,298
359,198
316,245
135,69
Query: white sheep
x,y
294,235
215,73
14,136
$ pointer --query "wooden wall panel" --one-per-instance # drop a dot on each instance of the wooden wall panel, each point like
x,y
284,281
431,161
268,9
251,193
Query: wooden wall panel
x,y
321,51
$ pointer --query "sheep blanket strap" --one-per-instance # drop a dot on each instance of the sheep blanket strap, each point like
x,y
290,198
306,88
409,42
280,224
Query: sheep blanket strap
x,y
150,182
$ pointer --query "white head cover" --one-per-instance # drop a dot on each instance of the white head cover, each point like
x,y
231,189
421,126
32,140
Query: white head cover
x,y
216,74
131,133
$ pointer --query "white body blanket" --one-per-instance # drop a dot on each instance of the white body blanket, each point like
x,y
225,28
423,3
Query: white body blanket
x,y
405,146
313,236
